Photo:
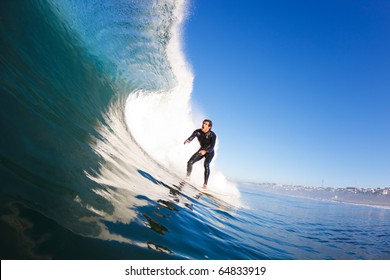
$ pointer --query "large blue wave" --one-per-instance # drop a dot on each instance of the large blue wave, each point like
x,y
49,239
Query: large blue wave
x,y
52,94
69,164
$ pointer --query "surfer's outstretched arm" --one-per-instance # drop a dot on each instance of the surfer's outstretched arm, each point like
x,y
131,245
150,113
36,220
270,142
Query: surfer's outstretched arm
x,y
193,135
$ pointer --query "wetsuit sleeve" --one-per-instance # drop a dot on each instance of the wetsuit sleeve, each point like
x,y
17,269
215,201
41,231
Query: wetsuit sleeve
x,y
193,135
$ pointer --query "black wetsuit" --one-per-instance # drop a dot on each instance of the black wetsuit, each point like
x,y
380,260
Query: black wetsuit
x,y
207,143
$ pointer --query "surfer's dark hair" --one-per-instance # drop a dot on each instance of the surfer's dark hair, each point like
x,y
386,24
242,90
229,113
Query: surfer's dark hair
x,y
210,122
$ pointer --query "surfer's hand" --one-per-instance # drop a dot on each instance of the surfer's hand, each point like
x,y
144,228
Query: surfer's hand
x,y
202,152
186,142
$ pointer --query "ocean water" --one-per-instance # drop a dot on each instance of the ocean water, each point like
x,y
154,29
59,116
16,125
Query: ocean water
x,y
90,170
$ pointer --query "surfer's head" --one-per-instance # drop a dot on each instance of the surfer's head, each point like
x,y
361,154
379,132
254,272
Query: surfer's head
x,y
207,125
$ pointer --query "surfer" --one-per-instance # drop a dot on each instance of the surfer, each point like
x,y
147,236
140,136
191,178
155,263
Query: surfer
x,y
206,139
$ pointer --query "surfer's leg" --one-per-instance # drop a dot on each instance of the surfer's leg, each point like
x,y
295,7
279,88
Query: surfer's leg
x,y
196,157
209,157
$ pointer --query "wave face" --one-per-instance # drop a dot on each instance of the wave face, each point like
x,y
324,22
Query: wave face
x,y
95,107
78,80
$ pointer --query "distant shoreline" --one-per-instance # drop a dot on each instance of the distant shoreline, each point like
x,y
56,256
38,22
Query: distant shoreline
x,y
379,197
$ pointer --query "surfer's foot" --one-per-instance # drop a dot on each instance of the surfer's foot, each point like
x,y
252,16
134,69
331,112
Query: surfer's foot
x,y
204,186
187,178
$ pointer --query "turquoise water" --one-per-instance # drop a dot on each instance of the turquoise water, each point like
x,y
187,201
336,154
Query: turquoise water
x,y
75,181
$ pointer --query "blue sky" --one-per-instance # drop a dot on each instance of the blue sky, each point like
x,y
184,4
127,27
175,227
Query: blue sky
x,y
299,91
